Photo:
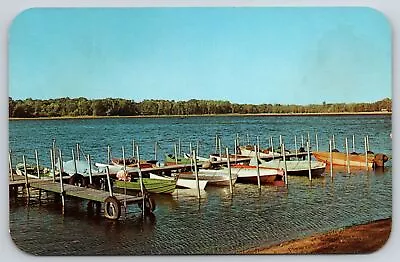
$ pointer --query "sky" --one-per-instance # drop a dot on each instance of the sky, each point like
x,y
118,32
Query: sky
x,y
244,55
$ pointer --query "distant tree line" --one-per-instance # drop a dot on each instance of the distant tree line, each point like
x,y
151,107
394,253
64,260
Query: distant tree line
x,y
30,108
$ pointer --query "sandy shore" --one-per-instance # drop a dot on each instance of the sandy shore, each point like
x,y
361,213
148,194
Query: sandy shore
x,y
359,239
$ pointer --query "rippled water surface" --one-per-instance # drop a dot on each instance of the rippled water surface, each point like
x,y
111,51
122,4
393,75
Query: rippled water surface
x,y
218,223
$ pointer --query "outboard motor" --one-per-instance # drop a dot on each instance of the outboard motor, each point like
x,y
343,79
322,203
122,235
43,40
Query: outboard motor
x,y
380,160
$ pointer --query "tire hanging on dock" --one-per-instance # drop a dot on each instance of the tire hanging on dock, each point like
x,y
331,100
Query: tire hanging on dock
x,y
112,208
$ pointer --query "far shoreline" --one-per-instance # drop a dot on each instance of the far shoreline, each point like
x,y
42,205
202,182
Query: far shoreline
x,y
207,115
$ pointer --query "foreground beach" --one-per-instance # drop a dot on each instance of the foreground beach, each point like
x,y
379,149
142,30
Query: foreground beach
x,y
358,239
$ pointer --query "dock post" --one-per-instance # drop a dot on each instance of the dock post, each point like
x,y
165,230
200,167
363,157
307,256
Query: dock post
x,y
308,139
367,142
53,166
302,141
179,148
90,169
220,149
197,147
236,146
347,156
295,144
176,154
330,158
10,165
123,158
248,139
316,142
237,138
284,164
108,155
155,150
216,144
229,170
74,159
354,144
141,179
258,143
196,171
366,153
109,181
333,141
272,148
61,180
37,163
309,161
190,147
133,148
26,178
258,170
280,141
78,151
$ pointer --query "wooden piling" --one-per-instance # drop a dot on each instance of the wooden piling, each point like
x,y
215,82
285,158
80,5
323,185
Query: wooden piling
x,y
133,148
258,170
61,179
295,145
354,144
109,181
155,150
236,146
258,143
229,169
10,165
347,156
26,178
308,139
333,141
53,165
248,139
123,158
108,155
78,151
196,171
220,148
216,144
302,141
309,161
280,141
367,142
197,147
37,163
179,148
190,147
366,153
330,158
272,148
284,164
141,178
176,154
73,159
90,169
237,139
316,142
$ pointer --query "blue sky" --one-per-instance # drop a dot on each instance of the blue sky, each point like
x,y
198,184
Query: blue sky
x,y
244,55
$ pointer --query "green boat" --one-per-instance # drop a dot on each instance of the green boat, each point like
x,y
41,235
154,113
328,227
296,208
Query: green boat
x,y
185,160
157,186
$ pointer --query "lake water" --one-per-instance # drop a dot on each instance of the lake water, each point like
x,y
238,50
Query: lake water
x,y
218,223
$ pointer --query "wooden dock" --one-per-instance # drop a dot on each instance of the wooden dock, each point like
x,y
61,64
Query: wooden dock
x,y
112,201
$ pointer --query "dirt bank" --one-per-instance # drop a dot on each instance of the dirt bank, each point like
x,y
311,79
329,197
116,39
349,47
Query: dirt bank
x,y
359,239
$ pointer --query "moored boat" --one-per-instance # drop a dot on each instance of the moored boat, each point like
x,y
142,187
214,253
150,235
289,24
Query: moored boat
x,y
294,167
182,182
152,185
31,171
359,160
215,177
248,174
249,151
